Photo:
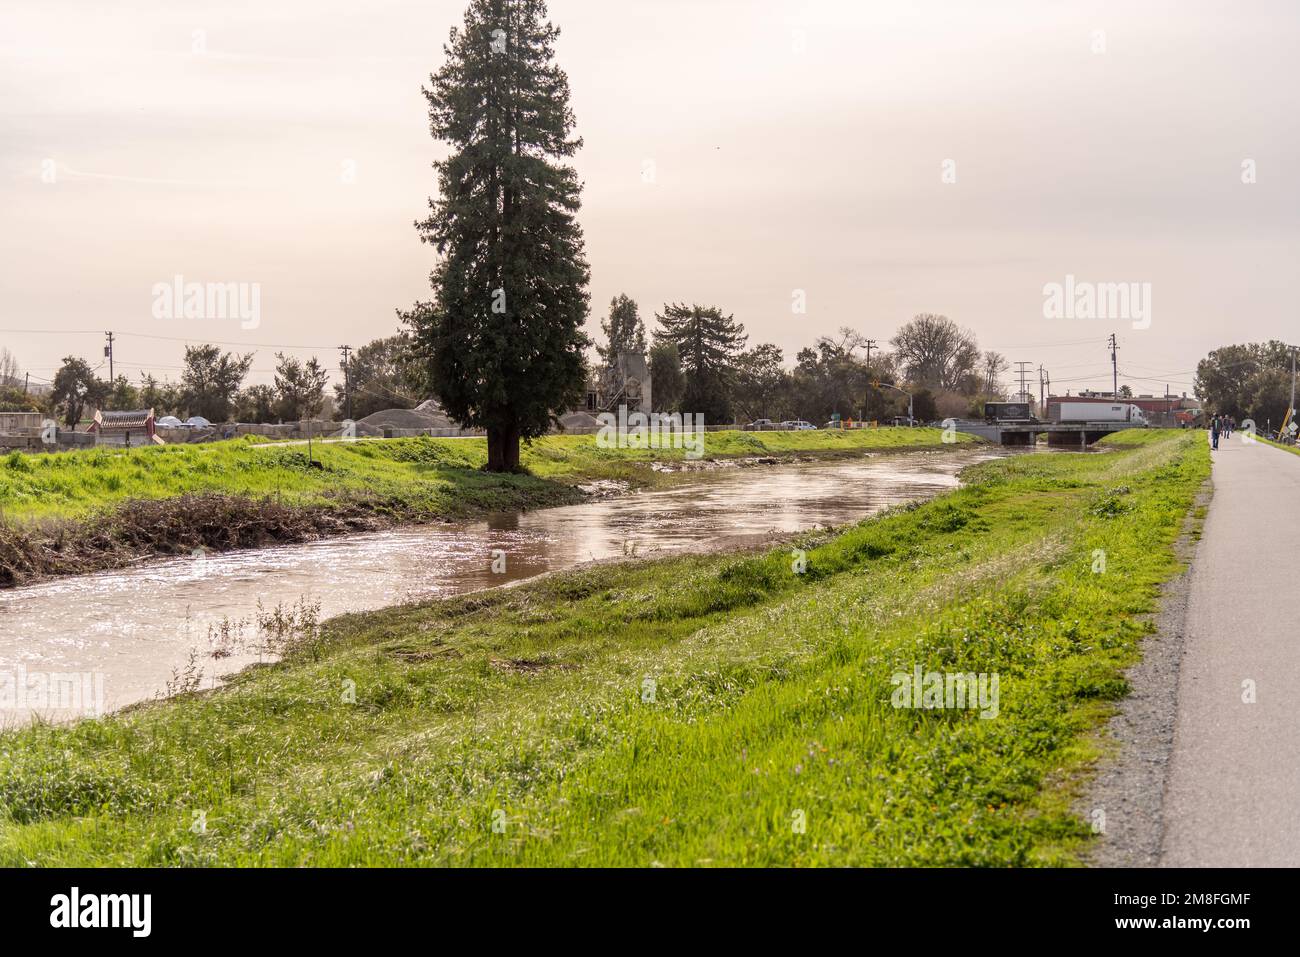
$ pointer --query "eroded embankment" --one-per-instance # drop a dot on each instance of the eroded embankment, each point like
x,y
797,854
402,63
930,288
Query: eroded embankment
x,y
123,533
142,529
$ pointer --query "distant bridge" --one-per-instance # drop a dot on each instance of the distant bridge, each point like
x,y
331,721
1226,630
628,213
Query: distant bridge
x,y
1081,434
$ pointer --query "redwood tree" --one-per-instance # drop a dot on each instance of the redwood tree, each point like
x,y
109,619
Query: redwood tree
x,y
502,338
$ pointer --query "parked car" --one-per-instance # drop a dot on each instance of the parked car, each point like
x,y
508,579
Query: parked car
x,y
798,425
760,425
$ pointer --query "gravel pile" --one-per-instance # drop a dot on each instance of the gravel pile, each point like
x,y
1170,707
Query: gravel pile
x,y
406,419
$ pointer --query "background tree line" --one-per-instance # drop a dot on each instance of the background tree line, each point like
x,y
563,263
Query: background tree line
x,y
1248,381
211,385
700,361
699,356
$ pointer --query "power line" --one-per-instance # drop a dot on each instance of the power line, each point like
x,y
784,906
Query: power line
x,y
146,335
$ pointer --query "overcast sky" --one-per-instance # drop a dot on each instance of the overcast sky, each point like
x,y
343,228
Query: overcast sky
x,y
794,146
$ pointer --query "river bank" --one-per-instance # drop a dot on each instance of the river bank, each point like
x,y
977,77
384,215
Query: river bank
x,y
133,628
704,709
79,512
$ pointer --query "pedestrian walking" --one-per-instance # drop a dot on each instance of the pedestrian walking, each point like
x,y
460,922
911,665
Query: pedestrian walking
x,y
1214,432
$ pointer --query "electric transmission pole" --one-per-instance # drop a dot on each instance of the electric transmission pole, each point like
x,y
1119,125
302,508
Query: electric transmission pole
x,y
347,378
1022,372
108,354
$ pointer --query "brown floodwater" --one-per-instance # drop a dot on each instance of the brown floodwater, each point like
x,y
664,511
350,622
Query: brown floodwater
x,y
77,645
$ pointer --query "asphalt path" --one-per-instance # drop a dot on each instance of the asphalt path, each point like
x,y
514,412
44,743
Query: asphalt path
x,y
1232,793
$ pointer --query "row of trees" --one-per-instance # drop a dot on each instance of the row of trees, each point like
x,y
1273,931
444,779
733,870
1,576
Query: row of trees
x,y
699,363
698,360
382,374
1250,381
211,385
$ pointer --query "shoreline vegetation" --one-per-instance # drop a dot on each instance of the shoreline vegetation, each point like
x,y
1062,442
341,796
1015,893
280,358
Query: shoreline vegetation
x,y
721,709
77,512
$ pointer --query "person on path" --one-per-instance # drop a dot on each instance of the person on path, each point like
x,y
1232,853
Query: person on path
x,y
1214,432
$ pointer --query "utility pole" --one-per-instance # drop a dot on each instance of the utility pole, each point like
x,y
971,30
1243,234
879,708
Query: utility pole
x,y
1292,405
1114,368
27,378
108,354
1042,396
1022,372
347,378
866,397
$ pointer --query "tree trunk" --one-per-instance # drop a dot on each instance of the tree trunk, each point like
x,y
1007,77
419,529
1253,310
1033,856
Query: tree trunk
x,y
503,448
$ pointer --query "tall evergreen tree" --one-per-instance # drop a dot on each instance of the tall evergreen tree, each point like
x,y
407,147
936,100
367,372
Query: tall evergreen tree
x,y
708,344
624,331
503,336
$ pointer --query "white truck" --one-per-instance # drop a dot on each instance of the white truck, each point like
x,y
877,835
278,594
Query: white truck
x,y
1099,412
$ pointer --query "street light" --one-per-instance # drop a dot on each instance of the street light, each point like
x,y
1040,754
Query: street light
x,y
911,420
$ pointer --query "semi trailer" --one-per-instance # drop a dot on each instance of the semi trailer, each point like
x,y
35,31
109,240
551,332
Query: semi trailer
x,y
1099,412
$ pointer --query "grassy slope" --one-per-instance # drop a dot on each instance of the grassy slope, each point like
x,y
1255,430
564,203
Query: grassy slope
x,y
431,475
773,697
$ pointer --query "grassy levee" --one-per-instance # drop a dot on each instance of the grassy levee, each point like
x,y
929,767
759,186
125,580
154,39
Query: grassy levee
x,y
74,512
529,708
79,483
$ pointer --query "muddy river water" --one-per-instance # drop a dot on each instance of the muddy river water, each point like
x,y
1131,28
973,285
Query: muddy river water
x,y
97,642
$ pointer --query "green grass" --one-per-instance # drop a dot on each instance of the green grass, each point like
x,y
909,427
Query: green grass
x,y
771,701
436,476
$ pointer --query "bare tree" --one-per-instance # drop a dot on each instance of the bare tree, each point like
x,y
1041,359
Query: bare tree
x,y
10,374
935,351
993,367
